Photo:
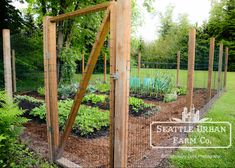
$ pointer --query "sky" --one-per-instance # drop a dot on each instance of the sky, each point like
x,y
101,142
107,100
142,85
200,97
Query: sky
x,y
197,11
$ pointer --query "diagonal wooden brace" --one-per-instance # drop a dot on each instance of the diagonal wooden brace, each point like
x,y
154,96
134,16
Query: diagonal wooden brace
x,y
104,29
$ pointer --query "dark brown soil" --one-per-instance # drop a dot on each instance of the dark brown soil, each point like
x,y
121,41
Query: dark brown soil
x,y
34,94
95,152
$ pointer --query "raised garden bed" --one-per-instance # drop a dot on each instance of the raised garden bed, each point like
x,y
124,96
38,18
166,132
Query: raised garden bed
x,y
95,152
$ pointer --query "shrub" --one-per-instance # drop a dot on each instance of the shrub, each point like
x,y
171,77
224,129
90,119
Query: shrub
x,y
68,57
88,120
11,125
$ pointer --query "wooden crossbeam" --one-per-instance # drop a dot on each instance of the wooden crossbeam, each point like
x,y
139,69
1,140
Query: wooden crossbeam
x,y
92,9
85,80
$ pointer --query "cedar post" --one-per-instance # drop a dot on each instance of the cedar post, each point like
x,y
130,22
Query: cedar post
x,y
210,67
226,68
83,64
191,62
178,70
139,62
219,84
105,68
7,61
122,75
51,86
113,18
13,71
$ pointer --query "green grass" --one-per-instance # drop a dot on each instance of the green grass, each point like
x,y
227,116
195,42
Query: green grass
x,y
199,82
222,110
35,81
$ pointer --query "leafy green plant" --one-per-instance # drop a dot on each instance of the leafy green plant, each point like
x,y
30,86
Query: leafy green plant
x,y
41,91
102,87
93,98
161,84
138,107
181,91
24,158
67,91
88,120
11,125
19,98
170,97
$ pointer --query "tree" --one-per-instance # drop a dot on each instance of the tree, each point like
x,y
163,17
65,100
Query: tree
x,y
221,25
10,17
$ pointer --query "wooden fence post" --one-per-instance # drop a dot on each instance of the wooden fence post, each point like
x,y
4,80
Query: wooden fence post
x,y
122,74
113,18
7,61
191,62
83,64
226,68
219,84
13,71
105,67
178,70
210,67
139,63
51,86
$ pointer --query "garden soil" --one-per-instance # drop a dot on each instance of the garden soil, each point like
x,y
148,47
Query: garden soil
x,y
94,152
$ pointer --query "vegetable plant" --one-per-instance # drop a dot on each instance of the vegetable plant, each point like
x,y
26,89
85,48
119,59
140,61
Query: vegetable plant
x,y
170,97
88,120
93,98
67,91
19,98
138,106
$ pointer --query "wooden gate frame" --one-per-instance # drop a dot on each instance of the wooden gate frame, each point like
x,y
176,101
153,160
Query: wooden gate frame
x,y
119,27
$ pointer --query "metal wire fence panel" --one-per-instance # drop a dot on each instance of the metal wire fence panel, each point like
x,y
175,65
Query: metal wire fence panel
x,y
154,96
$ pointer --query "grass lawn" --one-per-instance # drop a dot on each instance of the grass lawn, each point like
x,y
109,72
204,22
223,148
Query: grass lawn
x,y
34,81
200,76
222,110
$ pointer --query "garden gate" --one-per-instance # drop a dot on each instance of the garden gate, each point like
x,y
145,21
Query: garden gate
x,y
117,21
